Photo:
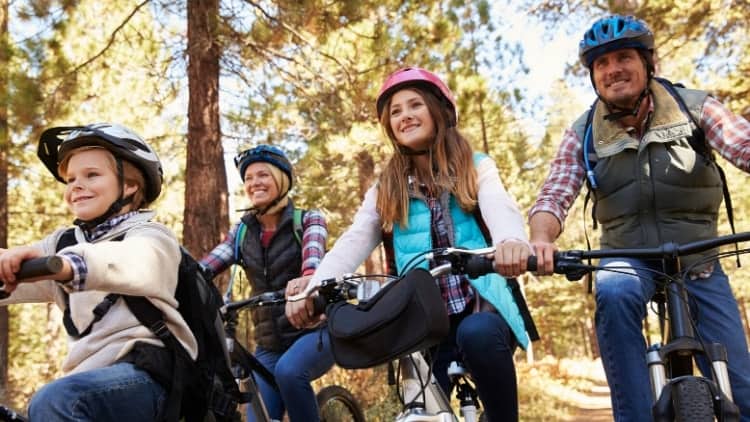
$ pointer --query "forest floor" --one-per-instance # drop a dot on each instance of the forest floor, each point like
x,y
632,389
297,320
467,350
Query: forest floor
x,y
590,402
566,390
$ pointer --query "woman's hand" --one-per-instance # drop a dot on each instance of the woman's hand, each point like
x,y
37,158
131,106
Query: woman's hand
x,y
510,257
301,314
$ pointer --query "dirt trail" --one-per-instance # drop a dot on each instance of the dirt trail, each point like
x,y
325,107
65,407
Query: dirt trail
x,y
593,405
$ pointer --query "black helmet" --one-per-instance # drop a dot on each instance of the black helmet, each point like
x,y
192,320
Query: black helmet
x,y
55,143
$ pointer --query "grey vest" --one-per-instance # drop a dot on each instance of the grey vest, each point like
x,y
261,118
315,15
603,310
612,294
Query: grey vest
x,y
656,189
270,269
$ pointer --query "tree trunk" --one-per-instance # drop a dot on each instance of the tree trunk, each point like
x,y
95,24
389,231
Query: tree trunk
x,y
4,146
206,202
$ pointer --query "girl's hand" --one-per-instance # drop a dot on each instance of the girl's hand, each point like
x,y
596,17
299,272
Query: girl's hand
x,y
510,257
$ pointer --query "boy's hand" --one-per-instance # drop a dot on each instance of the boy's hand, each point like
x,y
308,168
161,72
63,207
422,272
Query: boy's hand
x,y
10,263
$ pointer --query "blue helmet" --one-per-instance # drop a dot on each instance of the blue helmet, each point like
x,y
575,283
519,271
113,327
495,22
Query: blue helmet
x,y
267,154
614,33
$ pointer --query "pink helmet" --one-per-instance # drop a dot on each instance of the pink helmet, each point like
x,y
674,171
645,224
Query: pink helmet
x,y
414,76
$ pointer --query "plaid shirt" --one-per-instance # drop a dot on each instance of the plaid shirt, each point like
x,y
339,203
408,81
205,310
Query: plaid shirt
x,y
456,290
77,264
726,133
314,237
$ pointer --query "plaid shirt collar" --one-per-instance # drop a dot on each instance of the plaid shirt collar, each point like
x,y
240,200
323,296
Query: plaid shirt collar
x,y
107,226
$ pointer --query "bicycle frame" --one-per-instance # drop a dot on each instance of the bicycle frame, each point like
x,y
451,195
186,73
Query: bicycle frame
x,y
417,382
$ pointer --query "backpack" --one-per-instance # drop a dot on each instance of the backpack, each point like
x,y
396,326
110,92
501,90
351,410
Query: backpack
x,y
200,390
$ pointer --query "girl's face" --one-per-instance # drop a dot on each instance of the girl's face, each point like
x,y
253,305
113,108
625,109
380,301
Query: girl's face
x,y
411,120
92,184
260,186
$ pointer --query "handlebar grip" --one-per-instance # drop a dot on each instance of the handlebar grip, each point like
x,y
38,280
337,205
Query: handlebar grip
x,y
35,267
478,265
531,263
319,304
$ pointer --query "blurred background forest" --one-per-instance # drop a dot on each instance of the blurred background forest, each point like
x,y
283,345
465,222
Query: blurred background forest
x,y
204,79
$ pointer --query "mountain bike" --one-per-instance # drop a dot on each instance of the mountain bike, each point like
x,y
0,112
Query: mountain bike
x,y
422,398
678,394
336,403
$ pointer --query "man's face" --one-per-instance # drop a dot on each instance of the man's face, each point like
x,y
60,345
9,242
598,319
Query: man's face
x,y
620,77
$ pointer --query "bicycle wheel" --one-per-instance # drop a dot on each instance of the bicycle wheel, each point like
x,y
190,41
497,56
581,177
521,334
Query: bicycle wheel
x,y
692,401
337,404
9,415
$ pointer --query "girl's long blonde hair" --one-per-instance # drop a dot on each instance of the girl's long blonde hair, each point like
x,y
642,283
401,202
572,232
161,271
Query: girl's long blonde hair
x,y
451,159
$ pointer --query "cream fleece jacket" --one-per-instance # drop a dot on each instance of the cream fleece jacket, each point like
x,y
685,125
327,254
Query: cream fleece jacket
x,y
144,263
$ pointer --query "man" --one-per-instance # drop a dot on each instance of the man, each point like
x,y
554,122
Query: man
x,y
649,186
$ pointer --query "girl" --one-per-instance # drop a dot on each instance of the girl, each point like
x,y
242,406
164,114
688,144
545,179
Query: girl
x,y
431,194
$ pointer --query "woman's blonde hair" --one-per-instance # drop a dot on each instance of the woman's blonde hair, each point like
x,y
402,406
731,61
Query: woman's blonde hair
x,y
131,174
451,159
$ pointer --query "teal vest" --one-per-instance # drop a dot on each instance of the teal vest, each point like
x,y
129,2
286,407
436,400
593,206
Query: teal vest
x,y
463,231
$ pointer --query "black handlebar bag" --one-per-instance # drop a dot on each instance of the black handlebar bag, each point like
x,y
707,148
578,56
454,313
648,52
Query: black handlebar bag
x,y
406,315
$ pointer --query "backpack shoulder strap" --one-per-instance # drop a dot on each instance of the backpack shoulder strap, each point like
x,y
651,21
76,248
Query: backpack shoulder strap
x,y
239,238
150,316
68,238
587,148
297,219
699,143
698,140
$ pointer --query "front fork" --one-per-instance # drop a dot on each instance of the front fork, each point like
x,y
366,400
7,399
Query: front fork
x,y
658,374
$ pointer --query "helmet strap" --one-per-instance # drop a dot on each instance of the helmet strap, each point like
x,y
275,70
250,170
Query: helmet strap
x,y
620,112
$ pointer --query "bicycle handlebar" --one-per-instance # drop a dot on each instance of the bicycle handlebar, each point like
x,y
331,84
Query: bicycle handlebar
x,y
35,267
571,263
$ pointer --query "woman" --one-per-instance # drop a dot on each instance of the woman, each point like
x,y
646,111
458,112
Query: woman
x,y
264,243
426,197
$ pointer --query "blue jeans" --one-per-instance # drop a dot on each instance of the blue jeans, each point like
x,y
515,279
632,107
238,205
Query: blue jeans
x,y
293,370
485,344
119,392
621,305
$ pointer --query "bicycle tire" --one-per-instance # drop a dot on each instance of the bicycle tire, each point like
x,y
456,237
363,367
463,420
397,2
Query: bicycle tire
x,y
9,415
692,401
337,404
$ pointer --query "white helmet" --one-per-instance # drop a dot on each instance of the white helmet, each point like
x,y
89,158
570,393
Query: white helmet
x,y
55,143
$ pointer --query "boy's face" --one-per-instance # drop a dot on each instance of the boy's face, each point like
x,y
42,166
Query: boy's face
x,y
92,184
